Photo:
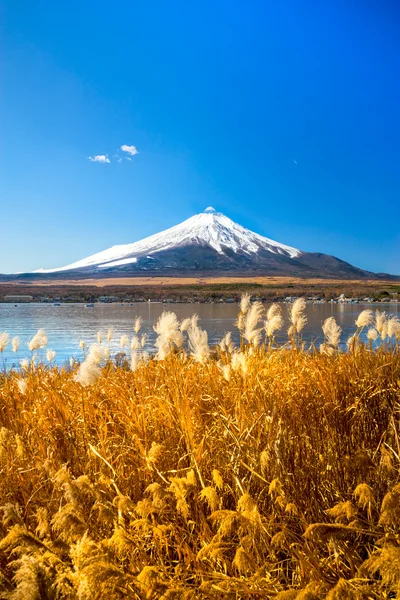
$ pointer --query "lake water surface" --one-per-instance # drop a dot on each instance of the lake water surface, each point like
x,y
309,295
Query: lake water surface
x,y
69,323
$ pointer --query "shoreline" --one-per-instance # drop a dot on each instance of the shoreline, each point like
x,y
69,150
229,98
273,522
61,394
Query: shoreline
x,y
218,289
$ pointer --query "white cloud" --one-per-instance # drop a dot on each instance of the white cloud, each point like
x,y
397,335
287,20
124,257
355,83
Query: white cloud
x,y
101,158
128,158
132,150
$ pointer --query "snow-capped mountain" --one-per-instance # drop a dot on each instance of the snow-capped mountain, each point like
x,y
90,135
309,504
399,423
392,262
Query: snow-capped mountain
x,y
208,243
209,228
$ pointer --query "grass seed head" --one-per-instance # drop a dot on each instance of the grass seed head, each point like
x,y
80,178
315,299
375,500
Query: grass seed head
x,y
38,341
198,344
245,303
365,318
137,325
273,324
50,355
22,386
88,373
15,344
209,494
332,332
217,479
4,339
251,331
394,327
124,341
365,498
297,314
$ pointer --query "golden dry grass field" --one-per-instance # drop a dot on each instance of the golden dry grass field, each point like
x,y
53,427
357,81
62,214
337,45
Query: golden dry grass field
x,y
255,472
173,281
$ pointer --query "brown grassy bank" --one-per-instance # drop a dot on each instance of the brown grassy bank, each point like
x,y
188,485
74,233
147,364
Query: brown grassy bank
x,y
160,288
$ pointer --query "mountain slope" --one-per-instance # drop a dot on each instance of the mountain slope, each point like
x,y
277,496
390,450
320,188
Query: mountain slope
x,y
209,228
208,243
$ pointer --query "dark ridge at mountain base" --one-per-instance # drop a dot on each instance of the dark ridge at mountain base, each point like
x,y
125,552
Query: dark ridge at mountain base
x,y
202,261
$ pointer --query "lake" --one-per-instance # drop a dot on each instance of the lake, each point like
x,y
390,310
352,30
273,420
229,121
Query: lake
x,y
68,323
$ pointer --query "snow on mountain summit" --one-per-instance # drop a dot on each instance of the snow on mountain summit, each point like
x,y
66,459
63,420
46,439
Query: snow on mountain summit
x,y
209,228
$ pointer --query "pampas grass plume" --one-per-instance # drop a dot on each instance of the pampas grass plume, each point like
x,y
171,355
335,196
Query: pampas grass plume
x,y
22,385
326,349
168,330
364,495
273,325
394,327
50,355
198,344
226,344
97,353
38,341
252,332
88,373
135,344
332,332
364,319
163,348
226,371
15,344
274,321
124,341
297,315
137,325
273,311
4,339
240,322
354,342
185,324
239,362
167,327
135,361
245,303
381,324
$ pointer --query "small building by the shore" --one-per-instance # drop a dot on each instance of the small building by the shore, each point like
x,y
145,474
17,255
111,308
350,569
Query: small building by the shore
x,y
18,298
108,299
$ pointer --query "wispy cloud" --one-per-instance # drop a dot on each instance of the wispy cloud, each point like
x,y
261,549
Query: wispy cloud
x,y
100,158
295,161
127,153
132,150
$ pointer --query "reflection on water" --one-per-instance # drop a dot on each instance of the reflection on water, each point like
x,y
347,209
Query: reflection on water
x,y
68,323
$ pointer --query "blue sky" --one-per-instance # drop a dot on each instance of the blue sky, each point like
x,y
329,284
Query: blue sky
x,y
283,115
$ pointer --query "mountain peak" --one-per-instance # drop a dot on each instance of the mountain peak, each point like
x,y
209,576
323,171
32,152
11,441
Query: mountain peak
x,y
207,242
209,229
